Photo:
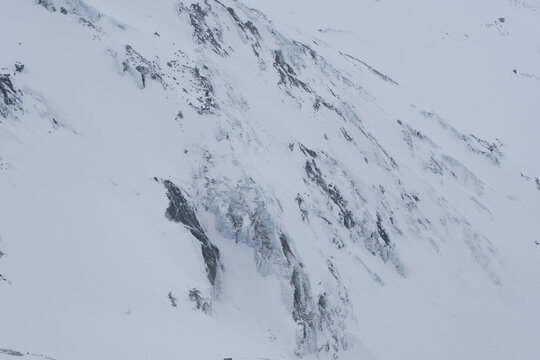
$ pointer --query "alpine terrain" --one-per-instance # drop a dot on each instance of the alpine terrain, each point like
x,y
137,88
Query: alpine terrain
x,y
248,179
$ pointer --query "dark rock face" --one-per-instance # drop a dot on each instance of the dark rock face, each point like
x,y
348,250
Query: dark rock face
x,y
172,299
381,231
304,312
249,29
207,102
484,147
198,301
315,317
47,4
11,352
140,68
7,90
203,33
301,205
287,76
374,71
333,193
19,67
9,97
86,13
307,151
208,26
181,211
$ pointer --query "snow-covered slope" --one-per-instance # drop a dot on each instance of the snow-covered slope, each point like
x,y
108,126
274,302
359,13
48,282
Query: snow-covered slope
x,y
318,179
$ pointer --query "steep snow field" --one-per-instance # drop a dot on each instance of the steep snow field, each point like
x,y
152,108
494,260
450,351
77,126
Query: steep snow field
x,y
456,57
323,179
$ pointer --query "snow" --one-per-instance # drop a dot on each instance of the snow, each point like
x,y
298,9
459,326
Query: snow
x,y
89,257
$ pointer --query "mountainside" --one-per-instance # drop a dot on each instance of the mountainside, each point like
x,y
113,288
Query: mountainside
x,y
314,179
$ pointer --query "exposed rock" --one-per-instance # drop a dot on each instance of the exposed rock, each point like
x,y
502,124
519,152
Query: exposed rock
x,y
10,99
198,301
202,31
303,210
382,232
315,175
206,100
11,352
19,67
248,29
535,180
140,68
47,4
287,75
181,211
172,299
374,71
491,150
80,8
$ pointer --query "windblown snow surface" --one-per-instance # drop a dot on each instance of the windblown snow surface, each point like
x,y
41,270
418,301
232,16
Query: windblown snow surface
x,y
316,179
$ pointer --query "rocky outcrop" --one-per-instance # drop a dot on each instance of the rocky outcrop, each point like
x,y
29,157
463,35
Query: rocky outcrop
x,y
140,68
10,98
181,211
